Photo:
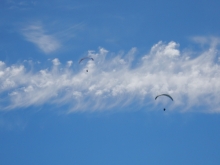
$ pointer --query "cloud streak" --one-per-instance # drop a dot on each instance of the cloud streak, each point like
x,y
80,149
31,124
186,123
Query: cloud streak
x,y
193,81
45,42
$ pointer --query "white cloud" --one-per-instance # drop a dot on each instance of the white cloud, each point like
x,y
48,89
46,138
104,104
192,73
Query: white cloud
x,y
45,42
192,81
69,63
56,62
211,40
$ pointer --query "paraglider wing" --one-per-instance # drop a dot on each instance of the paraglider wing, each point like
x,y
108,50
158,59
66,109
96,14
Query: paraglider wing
x,y
164,95
85,58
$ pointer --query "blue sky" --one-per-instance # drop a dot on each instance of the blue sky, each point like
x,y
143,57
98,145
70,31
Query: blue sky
x,y
54,112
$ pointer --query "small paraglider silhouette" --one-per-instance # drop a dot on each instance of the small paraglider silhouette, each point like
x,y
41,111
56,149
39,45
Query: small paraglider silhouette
x,y
164,95
88,58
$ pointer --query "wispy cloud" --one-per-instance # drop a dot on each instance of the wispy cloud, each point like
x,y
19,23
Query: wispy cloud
x,y
193,81
20,5
13,123
37,35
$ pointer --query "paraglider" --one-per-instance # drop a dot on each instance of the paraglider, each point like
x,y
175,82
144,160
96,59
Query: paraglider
x,y
89,58
166,96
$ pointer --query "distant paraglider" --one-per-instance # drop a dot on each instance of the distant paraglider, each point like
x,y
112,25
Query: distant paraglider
x,y
84,58
166,96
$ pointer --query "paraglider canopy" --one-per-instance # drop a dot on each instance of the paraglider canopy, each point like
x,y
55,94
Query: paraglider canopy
x,y
164,95
85,58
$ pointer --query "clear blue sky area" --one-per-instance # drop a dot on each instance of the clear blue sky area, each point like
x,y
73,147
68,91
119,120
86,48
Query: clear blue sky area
x,y
55,110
